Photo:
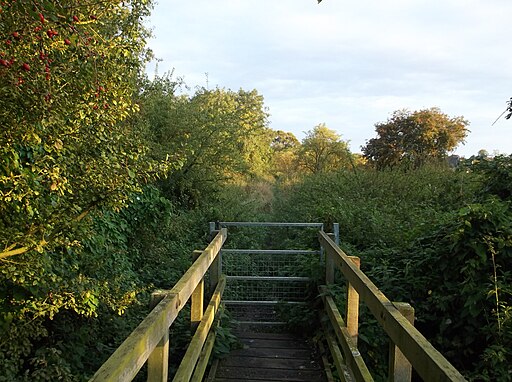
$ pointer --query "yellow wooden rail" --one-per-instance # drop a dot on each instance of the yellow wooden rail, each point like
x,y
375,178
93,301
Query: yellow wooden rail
x,y
426,360
149,341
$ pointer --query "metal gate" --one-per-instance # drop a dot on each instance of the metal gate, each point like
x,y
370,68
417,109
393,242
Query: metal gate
x,y
266,276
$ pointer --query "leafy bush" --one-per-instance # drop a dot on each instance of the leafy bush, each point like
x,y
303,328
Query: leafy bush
x,y
434,237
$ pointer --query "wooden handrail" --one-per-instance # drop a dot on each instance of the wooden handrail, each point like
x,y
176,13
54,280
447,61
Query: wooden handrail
x,y
426,360
129,358
353,358
189,361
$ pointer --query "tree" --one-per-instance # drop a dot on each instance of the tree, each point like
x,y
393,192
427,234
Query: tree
x,y
213,136
412,138
283,140
68,73
323,150
69,150
285,147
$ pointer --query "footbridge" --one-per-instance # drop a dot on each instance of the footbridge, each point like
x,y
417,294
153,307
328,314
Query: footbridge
x,y
281,284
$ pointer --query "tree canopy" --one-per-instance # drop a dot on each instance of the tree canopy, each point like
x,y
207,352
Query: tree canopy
x,y
209,137
323,150
412,138
67,78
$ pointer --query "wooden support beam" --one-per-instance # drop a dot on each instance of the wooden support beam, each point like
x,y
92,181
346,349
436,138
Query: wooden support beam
x,y
352,356
400,369
325,361
204,357
329,270
158,361
215,272
426,360
128,358
197,299
193,352
353,305
339,362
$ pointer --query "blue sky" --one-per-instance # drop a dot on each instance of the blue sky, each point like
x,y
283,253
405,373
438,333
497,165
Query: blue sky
x,y
348,63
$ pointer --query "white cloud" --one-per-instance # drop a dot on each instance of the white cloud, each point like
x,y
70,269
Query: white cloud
x,y
349,64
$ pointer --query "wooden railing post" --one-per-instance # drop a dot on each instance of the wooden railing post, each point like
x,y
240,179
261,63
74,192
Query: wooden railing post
x,y
197,299
158,361
353,305
400,369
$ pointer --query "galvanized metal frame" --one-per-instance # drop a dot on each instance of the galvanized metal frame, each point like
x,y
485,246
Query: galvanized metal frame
x,y
277,255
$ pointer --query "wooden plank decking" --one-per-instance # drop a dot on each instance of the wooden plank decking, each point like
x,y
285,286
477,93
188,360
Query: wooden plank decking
x,y
271,357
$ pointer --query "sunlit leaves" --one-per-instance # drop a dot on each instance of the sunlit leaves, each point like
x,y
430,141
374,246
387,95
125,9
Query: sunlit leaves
x,y
323,150
412,138
214,135
66,85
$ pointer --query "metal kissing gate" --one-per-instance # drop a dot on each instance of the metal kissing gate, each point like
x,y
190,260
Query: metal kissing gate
x,y
266,275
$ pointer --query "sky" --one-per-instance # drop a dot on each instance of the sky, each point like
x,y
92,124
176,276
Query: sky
x,y
348,63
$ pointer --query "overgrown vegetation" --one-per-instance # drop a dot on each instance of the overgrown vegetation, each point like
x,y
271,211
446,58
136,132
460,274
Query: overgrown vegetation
x,y
108,180
435,237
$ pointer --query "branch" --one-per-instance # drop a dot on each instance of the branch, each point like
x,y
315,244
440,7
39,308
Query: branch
x,y
14,252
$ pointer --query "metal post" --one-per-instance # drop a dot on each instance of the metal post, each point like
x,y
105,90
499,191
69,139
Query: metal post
x,y
336,229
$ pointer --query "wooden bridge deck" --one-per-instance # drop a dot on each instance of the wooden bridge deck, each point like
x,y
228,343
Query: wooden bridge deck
x,y
270,357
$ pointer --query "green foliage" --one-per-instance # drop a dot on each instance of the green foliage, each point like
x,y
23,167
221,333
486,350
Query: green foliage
x,y
494,173
215,135
225,339
393,207
434,237
68,77
322,150
466,300
285,164
410,139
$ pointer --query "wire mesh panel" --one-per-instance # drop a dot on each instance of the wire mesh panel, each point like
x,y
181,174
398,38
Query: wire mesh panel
x,y
265,263
259,277
266,290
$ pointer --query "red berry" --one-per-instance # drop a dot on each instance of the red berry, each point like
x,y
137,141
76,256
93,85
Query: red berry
x,y
15,35
67,42
41,18
95,107
51,33
4,63
93,17
26,66
75,19
8,42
